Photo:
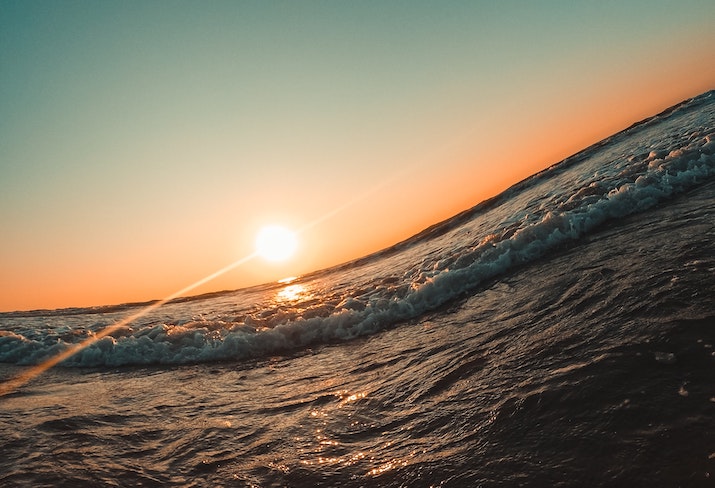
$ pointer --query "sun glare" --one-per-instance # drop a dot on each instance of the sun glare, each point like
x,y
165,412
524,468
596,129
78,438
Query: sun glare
x,y
275,243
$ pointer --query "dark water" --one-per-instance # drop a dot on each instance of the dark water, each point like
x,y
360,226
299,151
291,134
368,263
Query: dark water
x,y
560,335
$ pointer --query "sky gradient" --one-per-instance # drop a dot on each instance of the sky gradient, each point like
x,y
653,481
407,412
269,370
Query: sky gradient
x,y
143,144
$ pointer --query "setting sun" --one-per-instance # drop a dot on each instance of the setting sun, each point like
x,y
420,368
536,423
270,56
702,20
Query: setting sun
x,y
275,243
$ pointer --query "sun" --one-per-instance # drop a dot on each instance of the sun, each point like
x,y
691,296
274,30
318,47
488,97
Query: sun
x,y
276,243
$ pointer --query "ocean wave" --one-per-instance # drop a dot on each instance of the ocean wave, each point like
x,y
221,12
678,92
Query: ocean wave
x,y
632,183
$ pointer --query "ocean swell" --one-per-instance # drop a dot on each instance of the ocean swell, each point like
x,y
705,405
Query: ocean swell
x,y
633,183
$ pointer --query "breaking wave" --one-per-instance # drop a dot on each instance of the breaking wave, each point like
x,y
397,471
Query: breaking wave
x,y
630,172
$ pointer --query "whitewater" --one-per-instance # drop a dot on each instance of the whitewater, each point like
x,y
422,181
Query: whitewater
x,y
558,334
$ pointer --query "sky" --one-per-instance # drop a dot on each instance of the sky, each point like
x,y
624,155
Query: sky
x,y
144,144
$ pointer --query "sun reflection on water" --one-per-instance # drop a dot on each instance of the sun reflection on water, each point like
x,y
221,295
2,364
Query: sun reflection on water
x,y
345,397
322,447
292,293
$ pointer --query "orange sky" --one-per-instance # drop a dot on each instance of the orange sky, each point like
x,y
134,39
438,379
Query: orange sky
x,y
142,147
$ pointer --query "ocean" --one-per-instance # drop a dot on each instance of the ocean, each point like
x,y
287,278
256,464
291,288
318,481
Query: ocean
x,y
561,333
